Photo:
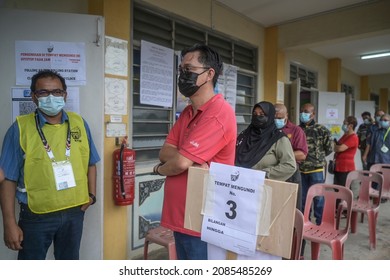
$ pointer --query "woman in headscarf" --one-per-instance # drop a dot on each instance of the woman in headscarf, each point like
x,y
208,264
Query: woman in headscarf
x,y
262,146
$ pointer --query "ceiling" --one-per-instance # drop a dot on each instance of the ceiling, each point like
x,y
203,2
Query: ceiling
x,y
275,12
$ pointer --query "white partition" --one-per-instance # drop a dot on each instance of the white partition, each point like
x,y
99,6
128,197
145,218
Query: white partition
x,y
29,25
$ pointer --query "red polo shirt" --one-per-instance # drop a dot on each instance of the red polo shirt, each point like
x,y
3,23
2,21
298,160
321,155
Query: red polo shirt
x,y
345,161
209,136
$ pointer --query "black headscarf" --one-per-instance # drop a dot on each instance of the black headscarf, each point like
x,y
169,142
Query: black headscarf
x,y
253,143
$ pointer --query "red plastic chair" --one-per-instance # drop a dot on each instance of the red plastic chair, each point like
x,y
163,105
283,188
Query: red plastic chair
x,y
363,204
161,236
327,232
383,169
297,236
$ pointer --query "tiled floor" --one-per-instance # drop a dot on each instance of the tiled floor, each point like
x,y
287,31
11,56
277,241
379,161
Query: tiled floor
x,y
356,246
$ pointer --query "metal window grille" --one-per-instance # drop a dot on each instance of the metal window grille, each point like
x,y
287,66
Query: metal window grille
x,y
150,124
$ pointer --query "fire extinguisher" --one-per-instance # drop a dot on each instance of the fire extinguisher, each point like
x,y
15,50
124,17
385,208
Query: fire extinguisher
x,y
124,175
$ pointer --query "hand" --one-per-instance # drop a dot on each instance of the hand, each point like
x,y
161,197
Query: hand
x,y
155,169
13,237
85,206
203,165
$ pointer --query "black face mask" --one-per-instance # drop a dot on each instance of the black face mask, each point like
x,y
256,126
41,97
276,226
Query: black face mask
x,y
187,83
259,121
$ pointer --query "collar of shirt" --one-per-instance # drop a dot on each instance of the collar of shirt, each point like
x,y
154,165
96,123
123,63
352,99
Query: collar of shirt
x,y
43,120
310,123
289,124
207,104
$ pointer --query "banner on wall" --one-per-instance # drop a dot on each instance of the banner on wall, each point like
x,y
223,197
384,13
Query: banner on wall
x,y
68,59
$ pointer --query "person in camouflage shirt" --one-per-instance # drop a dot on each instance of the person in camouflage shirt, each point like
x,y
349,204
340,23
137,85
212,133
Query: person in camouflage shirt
x,y
319,145
362,133
319,142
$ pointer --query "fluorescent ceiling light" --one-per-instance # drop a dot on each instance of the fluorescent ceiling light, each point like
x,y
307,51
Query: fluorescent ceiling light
x,y
375,55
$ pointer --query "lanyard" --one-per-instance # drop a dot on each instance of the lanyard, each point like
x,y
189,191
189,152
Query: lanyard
x,y
44,141
387,132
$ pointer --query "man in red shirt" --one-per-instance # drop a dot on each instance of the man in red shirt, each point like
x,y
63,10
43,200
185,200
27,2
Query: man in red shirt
x,y
205,132
298,142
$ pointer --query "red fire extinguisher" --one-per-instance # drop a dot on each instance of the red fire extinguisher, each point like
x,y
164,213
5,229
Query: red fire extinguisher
x,y
124,175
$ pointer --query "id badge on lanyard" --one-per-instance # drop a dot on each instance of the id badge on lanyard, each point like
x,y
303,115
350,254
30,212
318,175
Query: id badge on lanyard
x,y
63,174
62,170
384,149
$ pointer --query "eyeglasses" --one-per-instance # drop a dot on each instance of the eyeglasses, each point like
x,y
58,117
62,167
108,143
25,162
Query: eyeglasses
x,y
188,68
54,92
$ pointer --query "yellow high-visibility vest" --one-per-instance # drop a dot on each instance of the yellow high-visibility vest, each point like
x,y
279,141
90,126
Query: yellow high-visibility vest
x,y
39,180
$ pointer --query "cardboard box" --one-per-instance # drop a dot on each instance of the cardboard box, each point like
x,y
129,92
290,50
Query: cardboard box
x,y
283,202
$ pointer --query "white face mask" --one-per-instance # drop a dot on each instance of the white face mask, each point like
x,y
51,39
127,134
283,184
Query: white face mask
x,y
304,117
280,123
51,105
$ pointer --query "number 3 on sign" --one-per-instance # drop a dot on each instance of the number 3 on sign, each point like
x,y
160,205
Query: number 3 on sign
x,y
232,214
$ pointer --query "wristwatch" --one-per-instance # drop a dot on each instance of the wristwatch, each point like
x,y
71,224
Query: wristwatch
x,y
93,197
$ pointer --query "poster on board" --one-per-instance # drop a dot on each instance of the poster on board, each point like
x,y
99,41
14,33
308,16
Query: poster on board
x,y
115,56
68,59
157,72
227,84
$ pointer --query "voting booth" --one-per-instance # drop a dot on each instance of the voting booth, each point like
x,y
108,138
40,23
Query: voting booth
x,y
240,213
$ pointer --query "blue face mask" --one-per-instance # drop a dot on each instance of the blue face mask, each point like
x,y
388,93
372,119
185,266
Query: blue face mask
x,y
384,124
344,127
279,123
51,105
377,119
304,117
366,121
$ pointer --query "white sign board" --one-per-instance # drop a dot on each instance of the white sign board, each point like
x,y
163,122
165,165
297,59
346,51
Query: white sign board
x,y
230,217
68,59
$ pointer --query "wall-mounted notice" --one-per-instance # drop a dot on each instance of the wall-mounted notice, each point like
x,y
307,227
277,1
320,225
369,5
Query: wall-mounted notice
x,y
116,56
68,59
227,84
332,113
116,130
280,92
115,99
156,75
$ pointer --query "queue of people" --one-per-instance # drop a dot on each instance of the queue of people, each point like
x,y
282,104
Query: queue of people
x,y
36,150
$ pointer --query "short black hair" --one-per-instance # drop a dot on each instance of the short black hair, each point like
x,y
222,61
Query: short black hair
x,y
366,114
352,120
209,57
46,73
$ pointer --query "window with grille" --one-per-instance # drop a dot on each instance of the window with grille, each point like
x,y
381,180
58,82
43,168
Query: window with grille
x,y
347,89
308,78
150,124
